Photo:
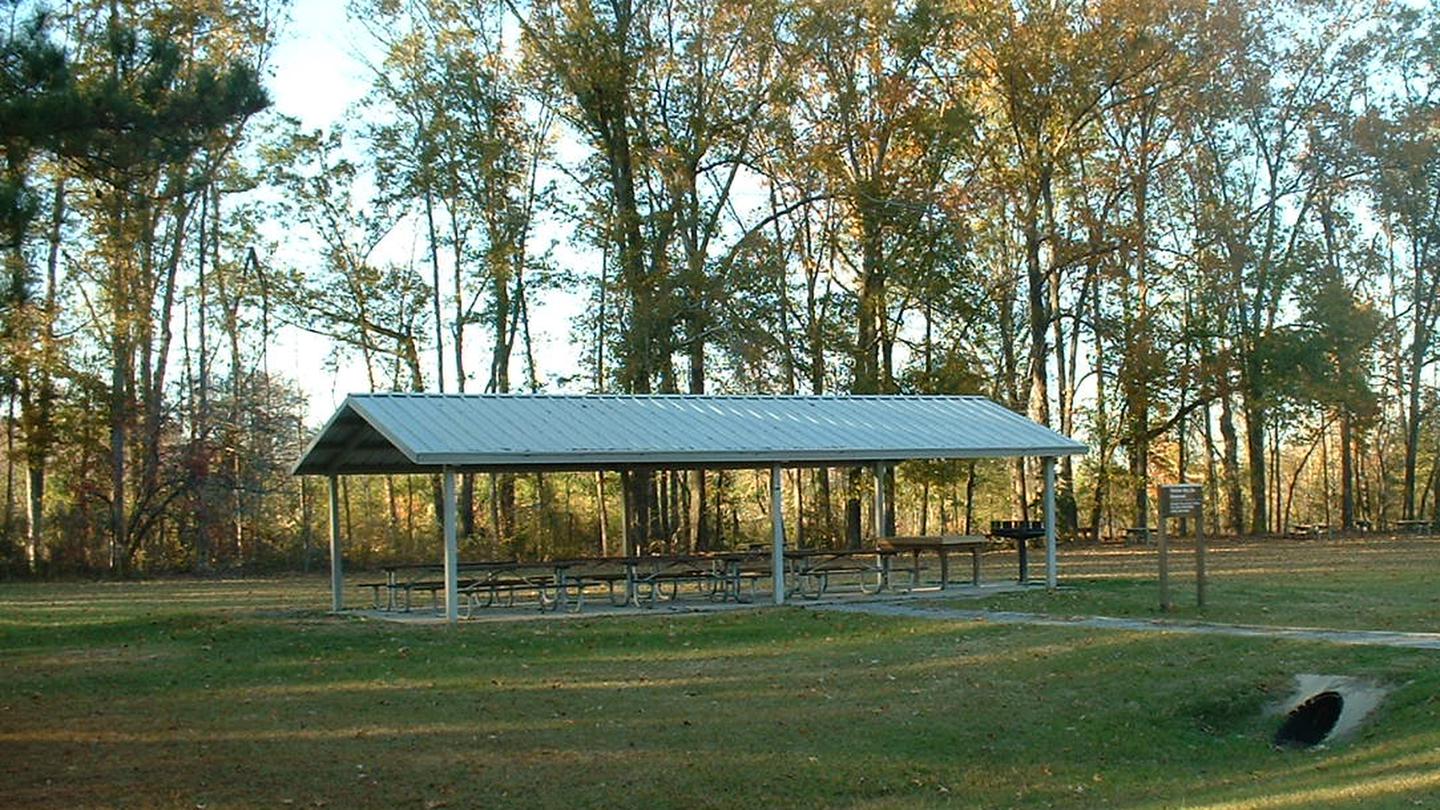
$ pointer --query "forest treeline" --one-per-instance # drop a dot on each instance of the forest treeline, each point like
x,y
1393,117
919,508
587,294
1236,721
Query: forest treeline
x,y
1200,235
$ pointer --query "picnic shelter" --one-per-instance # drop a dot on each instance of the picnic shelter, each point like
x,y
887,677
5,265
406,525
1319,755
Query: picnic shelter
x,y
451,434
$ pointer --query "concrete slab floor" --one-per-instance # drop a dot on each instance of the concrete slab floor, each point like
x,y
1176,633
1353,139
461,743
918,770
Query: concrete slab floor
x,y
686,606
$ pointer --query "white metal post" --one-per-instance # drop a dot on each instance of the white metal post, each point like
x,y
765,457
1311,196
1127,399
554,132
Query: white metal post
x,y
878,507
1051,575
777,545
337,573
452,590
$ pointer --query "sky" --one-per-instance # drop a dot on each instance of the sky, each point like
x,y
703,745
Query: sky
x,y
320,71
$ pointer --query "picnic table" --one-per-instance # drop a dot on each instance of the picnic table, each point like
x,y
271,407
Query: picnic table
x,y
1138,534
639,580
809,570
721,574
496,583
1415,526
404,580
941,545
648,579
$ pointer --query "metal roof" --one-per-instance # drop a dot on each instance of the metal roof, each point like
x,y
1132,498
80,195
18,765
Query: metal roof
x,y
408,433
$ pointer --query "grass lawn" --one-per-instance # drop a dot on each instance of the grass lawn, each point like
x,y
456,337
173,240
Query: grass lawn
x,y
244,694
1370,583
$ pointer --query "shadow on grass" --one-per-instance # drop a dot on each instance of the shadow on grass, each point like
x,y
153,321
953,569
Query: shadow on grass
x,y
787,707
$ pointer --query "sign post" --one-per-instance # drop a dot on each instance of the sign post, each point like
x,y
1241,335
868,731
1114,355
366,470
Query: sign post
x,y
1182,501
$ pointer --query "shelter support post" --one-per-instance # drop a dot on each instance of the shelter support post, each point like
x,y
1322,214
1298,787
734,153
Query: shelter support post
x,y
337,573
1051,575
877,517
452,589
777,545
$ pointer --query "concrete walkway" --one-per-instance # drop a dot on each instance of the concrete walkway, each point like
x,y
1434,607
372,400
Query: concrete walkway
x,y
1372,638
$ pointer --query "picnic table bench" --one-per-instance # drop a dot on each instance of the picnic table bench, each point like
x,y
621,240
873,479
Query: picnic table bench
x,y
942,545
1138,534
1415,526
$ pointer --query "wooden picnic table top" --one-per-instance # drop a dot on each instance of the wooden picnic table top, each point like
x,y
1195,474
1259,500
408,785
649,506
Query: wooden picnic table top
x,y
939,542
637,560
836,552
440,566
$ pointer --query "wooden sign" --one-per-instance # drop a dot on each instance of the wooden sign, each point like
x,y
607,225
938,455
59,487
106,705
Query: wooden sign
x,y
1181,500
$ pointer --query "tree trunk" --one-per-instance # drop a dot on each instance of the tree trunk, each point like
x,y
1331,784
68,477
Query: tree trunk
x,y
1064,389
823,502
1039,318
1412,441
871,307
699,526
1020,505
1234,504
925,508
602,513
1102,418
1255,447
7,524
1347,472
970,498
1212,477
38,421
119,435
1435,488
496,529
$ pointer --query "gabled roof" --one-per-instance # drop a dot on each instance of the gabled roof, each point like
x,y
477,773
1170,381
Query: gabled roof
x,y
411,433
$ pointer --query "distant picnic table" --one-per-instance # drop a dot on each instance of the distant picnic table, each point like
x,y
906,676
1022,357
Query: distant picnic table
x,y
942,546
639,580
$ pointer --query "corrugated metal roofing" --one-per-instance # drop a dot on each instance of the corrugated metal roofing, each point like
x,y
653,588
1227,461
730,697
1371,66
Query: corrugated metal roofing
x,y
384,433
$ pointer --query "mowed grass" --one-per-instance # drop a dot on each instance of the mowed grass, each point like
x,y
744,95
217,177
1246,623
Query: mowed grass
x,y
244,694
1368,582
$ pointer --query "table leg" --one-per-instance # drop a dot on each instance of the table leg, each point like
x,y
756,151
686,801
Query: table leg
x,y
632,596
975,566
944,569
561,600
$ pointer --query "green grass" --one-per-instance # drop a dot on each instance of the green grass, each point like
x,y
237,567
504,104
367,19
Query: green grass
x,y
1378,583
244,694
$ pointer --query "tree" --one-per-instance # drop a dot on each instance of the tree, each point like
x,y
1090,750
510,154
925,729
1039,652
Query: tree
x,y
132,114
1401,140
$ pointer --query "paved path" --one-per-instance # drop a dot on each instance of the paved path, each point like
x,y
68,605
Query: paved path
x,y
1373,638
